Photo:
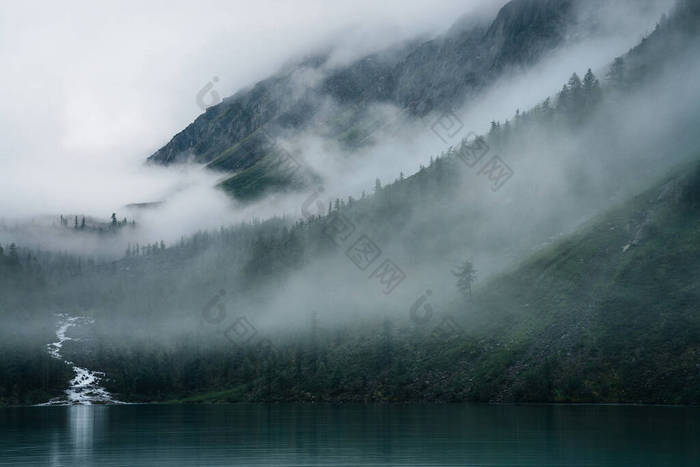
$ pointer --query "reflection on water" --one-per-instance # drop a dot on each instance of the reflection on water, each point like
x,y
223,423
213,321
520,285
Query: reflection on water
x,y
71,433
84,423
349,435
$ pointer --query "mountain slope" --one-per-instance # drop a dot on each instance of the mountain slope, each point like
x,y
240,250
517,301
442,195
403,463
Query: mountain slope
x,y
609,314
419,77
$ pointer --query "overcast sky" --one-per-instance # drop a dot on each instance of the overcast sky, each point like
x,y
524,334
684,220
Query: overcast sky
x,y
92,88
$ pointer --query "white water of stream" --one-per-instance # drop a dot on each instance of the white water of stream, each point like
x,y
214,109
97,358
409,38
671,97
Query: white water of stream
x,y
84,388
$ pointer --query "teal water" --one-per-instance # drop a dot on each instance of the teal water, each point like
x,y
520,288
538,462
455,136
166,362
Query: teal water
x,y
350,435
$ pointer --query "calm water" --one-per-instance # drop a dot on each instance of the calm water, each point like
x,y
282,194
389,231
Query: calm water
x,y
350,435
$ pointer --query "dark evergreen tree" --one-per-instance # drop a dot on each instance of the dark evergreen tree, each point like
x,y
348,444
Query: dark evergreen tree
x,y
563,99
13,256
591,90
314,341
466,275
386,346
575,87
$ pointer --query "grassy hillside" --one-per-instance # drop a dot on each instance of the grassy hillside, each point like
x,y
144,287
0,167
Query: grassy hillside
x,y
609,314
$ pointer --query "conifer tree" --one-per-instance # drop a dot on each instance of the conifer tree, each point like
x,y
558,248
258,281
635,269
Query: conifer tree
x,y
466,275
386,347
13,256
563,99
591,90
616,74
575,87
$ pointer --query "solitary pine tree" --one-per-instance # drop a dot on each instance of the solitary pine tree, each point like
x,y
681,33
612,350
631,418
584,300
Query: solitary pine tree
x,y
466,275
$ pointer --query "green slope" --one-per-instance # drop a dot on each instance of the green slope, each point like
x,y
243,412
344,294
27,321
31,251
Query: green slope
x,y
609,314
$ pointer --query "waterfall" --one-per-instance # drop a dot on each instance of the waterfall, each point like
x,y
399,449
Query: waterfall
x,y
84,388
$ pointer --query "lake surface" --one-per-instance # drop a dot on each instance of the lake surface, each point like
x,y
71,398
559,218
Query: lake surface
x,y
350,435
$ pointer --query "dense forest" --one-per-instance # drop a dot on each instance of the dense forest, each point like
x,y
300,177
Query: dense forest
x,y
604,313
